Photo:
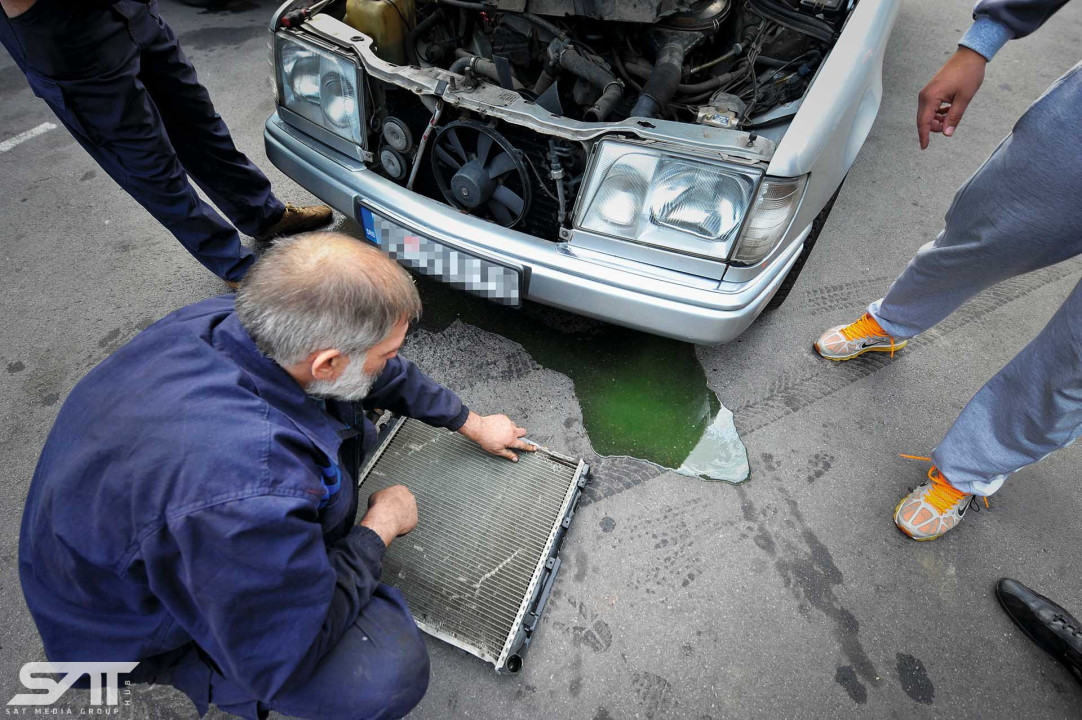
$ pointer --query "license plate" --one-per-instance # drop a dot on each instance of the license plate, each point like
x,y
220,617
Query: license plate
x,y
499,283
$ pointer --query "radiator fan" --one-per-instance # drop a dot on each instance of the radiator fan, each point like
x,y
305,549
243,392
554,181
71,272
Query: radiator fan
x,y
479,171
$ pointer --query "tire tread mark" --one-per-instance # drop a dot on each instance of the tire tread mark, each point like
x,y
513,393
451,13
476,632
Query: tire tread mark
x,y
792,392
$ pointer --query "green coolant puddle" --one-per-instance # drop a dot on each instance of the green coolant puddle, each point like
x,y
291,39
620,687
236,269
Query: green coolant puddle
x,y
641,395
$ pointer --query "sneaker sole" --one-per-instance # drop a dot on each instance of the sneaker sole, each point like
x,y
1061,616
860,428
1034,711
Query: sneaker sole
x,y
876,348
906,532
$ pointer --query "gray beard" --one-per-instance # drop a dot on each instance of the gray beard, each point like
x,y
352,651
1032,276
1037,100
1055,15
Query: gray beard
x,y
351,386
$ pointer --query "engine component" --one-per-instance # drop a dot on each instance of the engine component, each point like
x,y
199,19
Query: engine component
x,y
717,63
637,11
433,122
669,68
785,16
824,6
397,134
394,163
479,171
386,22
468,62
724,110
705,17
563,55
556,172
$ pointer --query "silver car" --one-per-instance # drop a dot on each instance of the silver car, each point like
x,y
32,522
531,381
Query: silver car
x,y
666,165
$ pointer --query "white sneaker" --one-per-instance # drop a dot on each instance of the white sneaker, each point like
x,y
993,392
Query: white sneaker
x,y
933,509
845,342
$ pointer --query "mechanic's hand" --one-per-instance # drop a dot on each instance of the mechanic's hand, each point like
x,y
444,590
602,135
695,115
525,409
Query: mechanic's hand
x,y
392,512
496,434
943,101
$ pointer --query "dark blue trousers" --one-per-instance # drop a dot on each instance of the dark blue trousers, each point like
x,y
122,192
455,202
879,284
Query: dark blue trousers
x,y
116,77
379,669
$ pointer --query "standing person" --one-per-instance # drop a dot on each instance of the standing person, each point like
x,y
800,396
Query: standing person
x,y
1019,212
195,507
116,77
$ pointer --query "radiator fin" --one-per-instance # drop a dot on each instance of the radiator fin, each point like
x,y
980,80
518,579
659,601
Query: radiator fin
x,y
485,529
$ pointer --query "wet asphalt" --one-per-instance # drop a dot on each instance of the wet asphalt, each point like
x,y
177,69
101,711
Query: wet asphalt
x,y
791,596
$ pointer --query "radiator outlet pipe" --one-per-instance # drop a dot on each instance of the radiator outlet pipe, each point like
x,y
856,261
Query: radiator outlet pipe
x,y
604,105
479,66
668,70
568,58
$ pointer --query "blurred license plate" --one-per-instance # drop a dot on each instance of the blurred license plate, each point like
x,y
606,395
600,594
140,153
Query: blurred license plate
x,y
490,280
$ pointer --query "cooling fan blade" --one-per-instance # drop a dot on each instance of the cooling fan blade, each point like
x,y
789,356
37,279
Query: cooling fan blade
x,y
478,170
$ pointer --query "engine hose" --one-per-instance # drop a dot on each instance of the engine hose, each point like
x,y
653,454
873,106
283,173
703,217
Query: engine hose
x,y
612,89
478,6
479,66
794,20
618,62
604,105
662,83
770,62
543,23
591,72
412,35
643,70
544,82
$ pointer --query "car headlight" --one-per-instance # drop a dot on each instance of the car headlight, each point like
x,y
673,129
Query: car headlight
x,y
697,207
770,215
691,206
320,86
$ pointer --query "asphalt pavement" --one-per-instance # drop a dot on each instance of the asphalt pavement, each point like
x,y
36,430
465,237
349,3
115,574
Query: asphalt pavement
x,y
791,596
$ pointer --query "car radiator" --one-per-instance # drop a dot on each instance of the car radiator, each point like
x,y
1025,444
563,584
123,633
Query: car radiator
x,y
478,569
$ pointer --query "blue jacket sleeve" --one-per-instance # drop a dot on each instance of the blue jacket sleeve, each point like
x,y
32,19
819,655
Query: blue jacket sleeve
x,y
997,21
404,390
254,585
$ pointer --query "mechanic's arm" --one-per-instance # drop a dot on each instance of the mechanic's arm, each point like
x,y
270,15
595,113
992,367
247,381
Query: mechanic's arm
x,y
403,389
252,582
944,99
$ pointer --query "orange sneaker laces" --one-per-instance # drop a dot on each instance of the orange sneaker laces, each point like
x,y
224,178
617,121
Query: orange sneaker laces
x,y
942,495
865,327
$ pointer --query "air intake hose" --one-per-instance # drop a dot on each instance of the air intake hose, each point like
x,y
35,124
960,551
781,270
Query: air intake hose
x,y
669,68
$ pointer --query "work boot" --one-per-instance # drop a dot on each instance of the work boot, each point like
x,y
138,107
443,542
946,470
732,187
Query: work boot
x,y
1044,622
297,219
845,342
933,509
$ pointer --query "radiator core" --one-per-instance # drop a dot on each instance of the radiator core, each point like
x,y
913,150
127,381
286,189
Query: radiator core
x,y
478,568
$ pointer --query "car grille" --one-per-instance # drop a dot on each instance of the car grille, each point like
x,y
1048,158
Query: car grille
x,y
477,569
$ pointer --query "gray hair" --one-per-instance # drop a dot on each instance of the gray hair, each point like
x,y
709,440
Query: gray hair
x,y
323,290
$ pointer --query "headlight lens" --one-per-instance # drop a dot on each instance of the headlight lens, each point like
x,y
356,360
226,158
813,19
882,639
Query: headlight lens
x,y
320,86
771,214
676,203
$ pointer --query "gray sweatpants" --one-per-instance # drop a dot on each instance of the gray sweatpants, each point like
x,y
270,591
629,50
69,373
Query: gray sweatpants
x,y
1021,211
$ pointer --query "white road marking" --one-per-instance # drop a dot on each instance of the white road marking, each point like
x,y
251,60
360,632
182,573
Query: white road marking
x,y
22,137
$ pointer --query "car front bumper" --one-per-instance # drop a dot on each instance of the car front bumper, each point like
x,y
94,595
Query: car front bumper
x,y
613,289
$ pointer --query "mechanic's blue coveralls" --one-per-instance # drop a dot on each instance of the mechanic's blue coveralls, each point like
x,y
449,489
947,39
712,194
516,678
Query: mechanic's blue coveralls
x,y
186,512
115,76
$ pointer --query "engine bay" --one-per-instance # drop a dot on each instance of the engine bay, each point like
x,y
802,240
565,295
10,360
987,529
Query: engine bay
x,y
716,64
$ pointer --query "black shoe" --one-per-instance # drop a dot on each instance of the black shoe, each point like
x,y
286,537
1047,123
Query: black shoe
x,y
1054,629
